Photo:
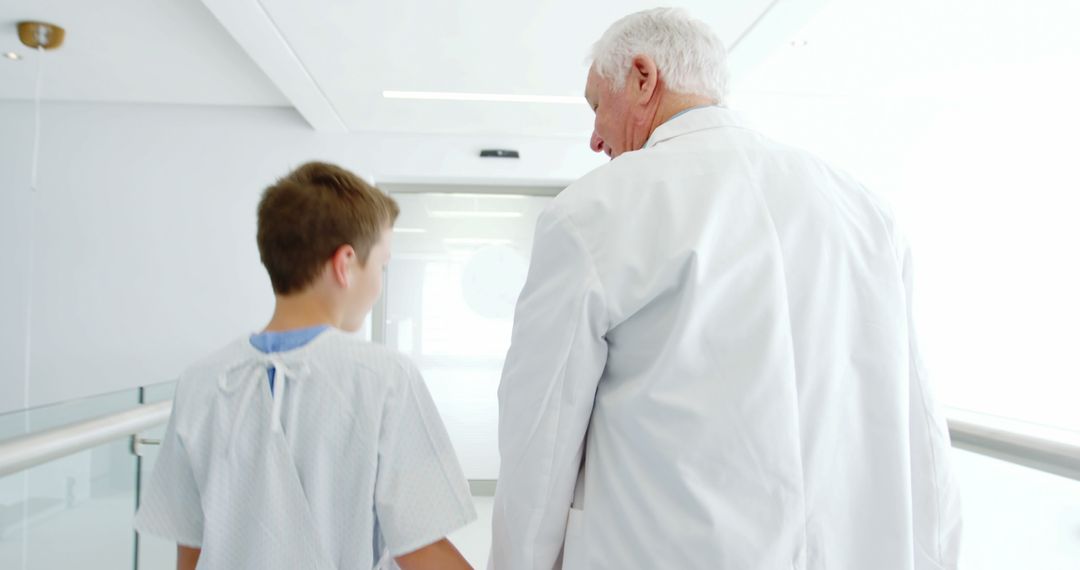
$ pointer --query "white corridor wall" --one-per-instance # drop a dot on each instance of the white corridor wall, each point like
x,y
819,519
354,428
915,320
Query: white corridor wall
x,y
142,230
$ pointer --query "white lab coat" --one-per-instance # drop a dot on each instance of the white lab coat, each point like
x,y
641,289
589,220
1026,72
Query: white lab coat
x,y
716,329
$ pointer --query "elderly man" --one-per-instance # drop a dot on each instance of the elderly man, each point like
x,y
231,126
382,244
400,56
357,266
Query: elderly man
x,y
713,364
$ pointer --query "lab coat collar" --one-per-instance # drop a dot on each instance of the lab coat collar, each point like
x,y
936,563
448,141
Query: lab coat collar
x,y
693,120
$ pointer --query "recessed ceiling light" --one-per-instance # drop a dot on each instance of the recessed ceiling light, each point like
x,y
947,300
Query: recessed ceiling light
x,y
12,56
798,43
489,97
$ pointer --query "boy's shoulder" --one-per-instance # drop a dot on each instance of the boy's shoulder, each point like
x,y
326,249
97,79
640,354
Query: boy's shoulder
x,y
357,353
203,374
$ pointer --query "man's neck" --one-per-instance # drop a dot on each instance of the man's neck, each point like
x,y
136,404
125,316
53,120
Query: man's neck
x,y
675,103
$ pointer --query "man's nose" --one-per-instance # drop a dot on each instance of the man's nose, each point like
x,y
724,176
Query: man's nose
x,y
597,143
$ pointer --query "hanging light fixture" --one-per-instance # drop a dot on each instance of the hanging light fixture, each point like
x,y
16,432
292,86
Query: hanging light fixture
x,y
41,35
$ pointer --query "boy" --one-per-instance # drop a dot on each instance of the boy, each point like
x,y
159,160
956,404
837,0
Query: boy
x,y
302,446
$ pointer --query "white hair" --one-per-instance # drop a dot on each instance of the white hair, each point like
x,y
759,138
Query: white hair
x,y
690,57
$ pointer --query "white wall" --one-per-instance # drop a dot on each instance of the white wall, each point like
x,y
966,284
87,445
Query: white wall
x,y
144,223
13,262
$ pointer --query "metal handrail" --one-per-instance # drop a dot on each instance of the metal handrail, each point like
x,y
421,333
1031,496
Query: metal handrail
x,y
1048,449
20,453
1044,448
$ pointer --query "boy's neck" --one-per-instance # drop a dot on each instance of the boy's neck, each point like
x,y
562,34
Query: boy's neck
x,y
300,312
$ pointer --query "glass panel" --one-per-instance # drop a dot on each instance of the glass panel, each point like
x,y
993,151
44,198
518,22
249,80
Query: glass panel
x,y
76,508
1015,517
159,392
12,424
21,422
154,552
13,512
459,262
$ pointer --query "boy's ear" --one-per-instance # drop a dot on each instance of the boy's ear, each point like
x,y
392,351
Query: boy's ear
x,y
344,257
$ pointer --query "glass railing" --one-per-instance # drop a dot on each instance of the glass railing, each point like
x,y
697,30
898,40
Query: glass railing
x,y
76,509
79,508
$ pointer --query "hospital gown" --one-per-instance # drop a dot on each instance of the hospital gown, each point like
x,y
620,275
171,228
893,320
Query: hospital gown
x,y
346,464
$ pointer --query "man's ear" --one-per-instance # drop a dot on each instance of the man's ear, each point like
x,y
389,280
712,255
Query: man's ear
x,y
645,78
343,258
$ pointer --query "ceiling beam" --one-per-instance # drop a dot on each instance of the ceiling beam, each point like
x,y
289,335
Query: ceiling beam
x,y
254,29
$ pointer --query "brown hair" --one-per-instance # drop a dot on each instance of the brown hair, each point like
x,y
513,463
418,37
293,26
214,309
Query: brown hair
x,y
311,212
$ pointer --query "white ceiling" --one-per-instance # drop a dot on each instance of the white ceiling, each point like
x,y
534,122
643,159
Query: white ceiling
x,y
332,60
145,51
356,50
963,49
